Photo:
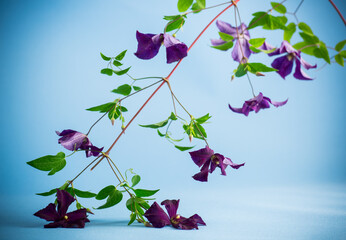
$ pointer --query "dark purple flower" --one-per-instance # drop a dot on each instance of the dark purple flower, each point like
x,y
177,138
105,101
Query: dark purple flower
x,y
285,63
208,161
149,45
255,104
73,140
158,218
60,217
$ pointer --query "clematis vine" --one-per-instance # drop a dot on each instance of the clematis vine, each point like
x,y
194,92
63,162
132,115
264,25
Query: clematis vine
x,y
208,161
284,64
60,217
158,218
149,46
73,140
256,104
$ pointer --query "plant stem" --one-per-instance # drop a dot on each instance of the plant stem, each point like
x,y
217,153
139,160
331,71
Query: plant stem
x,y
84,169
340,14
301,2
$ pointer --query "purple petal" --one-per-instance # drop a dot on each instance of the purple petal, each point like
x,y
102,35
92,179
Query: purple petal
x,y
175,49
76,224
217,42
284,65
202,176
55,224
229,162
217,160
71,140
299,74
276,104
241,51
186,224
198,219
236,110
201,156
307,65
226,28
266,46
284,48
148,45
171,206
77,215
156,216
49,213
64,201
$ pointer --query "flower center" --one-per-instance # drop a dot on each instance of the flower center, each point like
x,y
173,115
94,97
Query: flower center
x,y
290,56
215,159
66,217
175,219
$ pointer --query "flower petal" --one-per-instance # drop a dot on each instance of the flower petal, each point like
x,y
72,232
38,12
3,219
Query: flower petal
x,y
229,162
276,104
175,49
77,215
49,213
202,176
64,201
156,216
241,51
217,42
71,140
299,74
266,46
284,65
171,207
198,219
236,110
201,156
307,65
55,224
148,45
226,28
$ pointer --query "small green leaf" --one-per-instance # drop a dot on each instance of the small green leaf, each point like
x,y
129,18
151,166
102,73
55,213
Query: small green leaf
x,y
301,46
259,67
343,53
84,194
173,117
123,90
226,37
45,194
322,52
114,198
184,5
130,204
121,55
105,58
175,24
241,70
199,4
181,148
305,28
260,19
257,42
224,47
339,59
78,205
199,130
135,180
107,71
104,192
340,45
121,72
311,39
288,33
172,17
136,88
145,193
102,108
279,7
132,218
49,163
203,119
117,63
160,134
156,125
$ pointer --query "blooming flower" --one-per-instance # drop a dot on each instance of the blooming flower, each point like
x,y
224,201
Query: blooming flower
x,y
158,218
285,63
73,140
60,217
206,159
255,104
149,45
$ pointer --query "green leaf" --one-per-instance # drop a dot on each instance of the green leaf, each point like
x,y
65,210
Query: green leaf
x,y
290,30
132,218
156,125
49,163
173,117
259,67
203,119
172,17
114,198
224,47
123,90
275,23
121,55
260,19
121,72
305,28
130,204
339,46
117,63
181,148
107,71
175,24
322,52
102,108
339,59
145,193
199,4
279,7
105,192
199,130
226,37
78,205
301,46
343,53
135,180
84,194
241,70
105,58
184,5
123,109
45,194
257,42
308,38
160,134
136,88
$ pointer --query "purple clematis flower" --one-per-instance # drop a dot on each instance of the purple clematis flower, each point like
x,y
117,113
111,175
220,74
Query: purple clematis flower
x,y
73,140
255,104
60,217
149,46
158,218
206,159
285,63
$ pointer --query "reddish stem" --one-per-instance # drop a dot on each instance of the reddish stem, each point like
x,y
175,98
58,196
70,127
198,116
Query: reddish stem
x,y
336,8
167,78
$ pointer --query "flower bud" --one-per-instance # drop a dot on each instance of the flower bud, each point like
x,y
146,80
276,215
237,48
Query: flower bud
x,y
190,137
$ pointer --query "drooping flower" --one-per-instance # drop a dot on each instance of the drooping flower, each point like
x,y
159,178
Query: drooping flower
x,y
73,140
284,64
149,46
208,161
158,218
255,104
59,216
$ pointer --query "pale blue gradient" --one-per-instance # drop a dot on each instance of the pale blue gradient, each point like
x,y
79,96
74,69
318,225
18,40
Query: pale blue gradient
x,y
50,66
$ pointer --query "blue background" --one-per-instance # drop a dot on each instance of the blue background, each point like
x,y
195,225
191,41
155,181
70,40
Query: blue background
x,y
293,183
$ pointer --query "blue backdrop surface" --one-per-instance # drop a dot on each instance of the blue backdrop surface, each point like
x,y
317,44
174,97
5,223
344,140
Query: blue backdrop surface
x,y
293,183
